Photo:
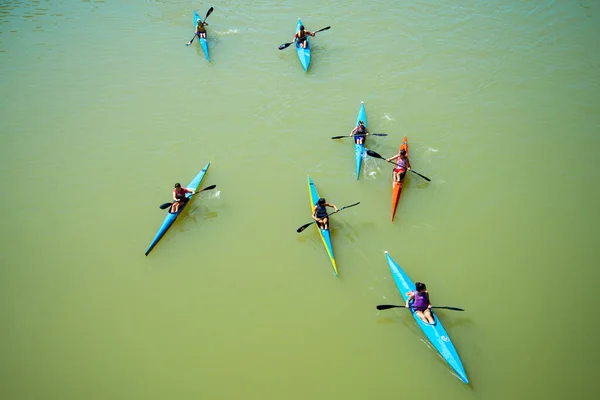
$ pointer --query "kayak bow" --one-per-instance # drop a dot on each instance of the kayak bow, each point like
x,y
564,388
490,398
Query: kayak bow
x,y
397,186
303,53
359,149
325,234
203,42
170,218
436,334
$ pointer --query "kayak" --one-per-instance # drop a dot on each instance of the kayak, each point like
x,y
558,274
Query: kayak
x,y
397,186
436,334
325,234
202,40
359,149
303,53
170,218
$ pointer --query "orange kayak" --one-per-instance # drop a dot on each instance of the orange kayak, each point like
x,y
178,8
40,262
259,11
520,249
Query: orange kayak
x,y
397,186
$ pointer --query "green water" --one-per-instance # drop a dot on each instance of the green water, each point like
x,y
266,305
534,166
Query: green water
x,y
104,108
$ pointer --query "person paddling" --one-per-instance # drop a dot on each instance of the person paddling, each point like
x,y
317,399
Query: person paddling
x,y
179,197
421,303
359,132
320,213
200,30
300,37
402,165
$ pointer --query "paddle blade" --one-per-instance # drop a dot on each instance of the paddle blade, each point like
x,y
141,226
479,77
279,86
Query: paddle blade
x,y
351,205
284,46
211,187
388,306
339,137
210,10
374,154
324,29
378,134
303,227
165,206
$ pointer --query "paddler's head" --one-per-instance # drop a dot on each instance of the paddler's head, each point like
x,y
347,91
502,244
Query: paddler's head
x,y
402,152
178,185
322,201
301,27
420,286
361,123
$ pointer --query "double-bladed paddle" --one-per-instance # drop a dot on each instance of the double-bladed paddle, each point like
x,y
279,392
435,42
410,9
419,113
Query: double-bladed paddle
x,y
167,205
286,45
360,134
376,155
303,227
210,10
388,306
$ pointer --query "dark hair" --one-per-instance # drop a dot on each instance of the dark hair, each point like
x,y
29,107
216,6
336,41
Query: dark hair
x,y
301,27
402,152
322,200
420,286
177,185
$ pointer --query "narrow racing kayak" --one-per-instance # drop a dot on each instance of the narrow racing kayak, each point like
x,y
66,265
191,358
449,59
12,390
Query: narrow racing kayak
x,y
202,40
325,234
436,334
303,53
170,218
359,149
397,186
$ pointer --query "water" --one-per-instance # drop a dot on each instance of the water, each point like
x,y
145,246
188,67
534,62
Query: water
x,y
104,108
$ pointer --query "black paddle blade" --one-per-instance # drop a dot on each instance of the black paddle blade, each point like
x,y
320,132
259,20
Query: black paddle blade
x,y
210,10
450,308
422,176
303,227
211,187
351,205
378,134
165,206
324,29
374,154
339,137
388,306
284,46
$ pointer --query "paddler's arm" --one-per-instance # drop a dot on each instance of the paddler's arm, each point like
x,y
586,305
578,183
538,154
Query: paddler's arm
x,y
409,297
352,132
314,214
333,206
392,158
408,167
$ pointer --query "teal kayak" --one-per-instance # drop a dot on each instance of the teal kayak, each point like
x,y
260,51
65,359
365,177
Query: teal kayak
x,y
325,234
359,149
436,334
303,53
170,218
203,42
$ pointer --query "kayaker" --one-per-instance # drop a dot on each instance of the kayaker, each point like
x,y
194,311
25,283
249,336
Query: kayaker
x,y
179,197
402,165
300,36
320,213
360,129
421,303
200,30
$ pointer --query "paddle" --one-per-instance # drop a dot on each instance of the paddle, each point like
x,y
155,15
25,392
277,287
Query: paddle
x,y
388,306
286,45
167,205
376,155
303,227
370,134
210,10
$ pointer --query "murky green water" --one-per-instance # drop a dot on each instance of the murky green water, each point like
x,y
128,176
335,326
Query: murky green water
x,y
104,108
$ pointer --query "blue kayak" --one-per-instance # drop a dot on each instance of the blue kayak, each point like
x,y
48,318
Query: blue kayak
x,y
170,218
303,53
436,334
202,40
325,234
359,149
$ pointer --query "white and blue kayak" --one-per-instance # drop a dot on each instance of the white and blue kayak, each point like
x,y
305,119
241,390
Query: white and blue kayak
x,y
359,149
436,334
171,217
303,53
203,42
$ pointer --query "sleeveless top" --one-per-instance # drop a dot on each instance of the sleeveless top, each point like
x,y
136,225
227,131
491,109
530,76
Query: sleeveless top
x,y
180,194
301,35
360,130
321,211
421,302
400,163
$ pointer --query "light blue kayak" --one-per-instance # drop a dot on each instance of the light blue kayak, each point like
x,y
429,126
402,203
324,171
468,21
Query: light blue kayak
x,y
303,54
325,234
435,332
170,218
202,40
359,149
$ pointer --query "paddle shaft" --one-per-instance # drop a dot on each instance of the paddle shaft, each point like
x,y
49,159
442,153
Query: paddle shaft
x,y
377,155
286,45
388,306
303,227
167,205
